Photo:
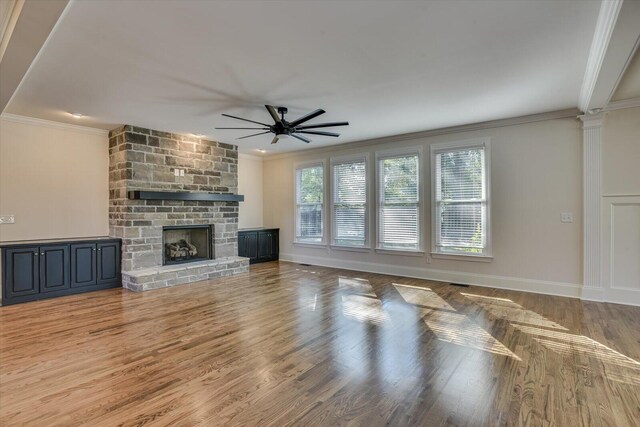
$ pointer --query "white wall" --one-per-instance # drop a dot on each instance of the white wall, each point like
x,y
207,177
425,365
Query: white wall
x,y
536,175
54,179
621,206
250,185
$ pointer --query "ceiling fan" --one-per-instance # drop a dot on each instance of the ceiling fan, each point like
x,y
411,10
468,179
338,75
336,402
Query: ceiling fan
x,y
284,129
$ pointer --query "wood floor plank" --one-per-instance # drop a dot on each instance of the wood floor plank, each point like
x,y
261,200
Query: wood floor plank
x,y
287,344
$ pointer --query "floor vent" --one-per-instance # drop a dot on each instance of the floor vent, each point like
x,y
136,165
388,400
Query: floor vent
x,y
306,265
459,284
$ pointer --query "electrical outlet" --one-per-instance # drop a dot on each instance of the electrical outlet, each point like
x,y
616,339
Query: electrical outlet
x,y
428,259
7,219
181,172
176,172
566,217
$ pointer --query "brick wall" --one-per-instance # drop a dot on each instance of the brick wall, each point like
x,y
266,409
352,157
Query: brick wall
x,y
144,159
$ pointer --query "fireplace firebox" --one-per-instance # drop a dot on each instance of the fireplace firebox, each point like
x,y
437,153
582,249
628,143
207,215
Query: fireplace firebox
x,y
186,243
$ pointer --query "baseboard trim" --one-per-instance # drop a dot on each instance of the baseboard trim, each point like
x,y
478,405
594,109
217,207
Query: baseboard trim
x,y
498,282
593,294
622,296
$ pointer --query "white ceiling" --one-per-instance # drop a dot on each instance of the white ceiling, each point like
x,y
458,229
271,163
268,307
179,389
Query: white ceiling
x,y
629,86
386,67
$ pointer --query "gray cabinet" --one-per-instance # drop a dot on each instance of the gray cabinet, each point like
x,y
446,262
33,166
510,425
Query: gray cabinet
x,y
44,270
259,245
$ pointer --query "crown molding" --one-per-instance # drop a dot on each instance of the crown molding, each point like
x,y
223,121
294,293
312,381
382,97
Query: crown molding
x,y
624,103
51,124
492,124
607,17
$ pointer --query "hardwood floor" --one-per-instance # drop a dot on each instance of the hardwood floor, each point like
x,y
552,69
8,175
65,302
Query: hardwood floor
x,y
288,344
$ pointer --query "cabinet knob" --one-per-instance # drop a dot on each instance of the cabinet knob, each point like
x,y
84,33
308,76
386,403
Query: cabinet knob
x,y
42,253
94,249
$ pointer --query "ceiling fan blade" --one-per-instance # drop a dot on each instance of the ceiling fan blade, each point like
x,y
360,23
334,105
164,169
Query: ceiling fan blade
x,y
246,120
274,114
307,117
324,125
275,139
244,128
317,132
255,134
300,137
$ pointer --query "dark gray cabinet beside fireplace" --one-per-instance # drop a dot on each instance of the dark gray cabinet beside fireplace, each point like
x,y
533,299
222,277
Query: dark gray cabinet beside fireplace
x,y
259,244
47,269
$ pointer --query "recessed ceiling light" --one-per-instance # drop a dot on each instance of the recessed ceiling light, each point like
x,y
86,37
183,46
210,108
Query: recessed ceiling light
x,y
260,150
199,135
77,115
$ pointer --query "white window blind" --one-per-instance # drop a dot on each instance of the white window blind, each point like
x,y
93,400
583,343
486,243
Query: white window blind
x,y
398,210
350,203
461,201
309,204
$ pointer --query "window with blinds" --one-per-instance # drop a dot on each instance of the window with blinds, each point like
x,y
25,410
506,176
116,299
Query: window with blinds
x,y
310,203
460,199
398,202
350,203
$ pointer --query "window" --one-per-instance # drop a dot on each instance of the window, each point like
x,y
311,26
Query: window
x,y
461,198
349,202
398,202
310,203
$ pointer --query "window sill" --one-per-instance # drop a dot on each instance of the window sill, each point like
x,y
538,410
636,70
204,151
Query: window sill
x,y
403,252
350,248
310,245
457,257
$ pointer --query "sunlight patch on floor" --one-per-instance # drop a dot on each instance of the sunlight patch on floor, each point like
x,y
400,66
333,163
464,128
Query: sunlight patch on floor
x,y
513,312
424,297
357,286
364,309
565,343
458,329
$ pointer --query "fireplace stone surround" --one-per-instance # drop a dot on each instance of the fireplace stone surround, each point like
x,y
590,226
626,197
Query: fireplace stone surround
x,y
146,160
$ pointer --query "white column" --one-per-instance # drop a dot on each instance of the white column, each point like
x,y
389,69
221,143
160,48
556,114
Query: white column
x,y
591,189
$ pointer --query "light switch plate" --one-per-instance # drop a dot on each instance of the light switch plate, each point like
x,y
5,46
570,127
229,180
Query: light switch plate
x,y
176,172
7,219
181,172
566,217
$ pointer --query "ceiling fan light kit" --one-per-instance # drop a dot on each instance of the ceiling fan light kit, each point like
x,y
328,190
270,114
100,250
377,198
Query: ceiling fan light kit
x,y
284,129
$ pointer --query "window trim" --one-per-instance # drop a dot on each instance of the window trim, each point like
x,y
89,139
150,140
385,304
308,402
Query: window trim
x,y
325,191
367,205
485,142
399,152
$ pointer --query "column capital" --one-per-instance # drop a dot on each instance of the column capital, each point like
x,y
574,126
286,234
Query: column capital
x,y
592,119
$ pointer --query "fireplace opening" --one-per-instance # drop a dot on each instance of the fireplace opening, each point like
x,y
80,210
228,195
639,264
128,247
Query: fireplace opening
x,y
186,243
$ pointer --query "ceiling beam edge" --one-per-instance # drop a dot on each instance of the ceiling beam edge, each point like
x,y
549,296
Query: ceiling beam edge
x,y
607,17
35,22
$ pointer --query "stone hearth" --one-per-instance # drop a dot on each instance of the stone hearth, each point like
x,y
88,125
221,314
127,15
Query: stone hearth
x,y
145,159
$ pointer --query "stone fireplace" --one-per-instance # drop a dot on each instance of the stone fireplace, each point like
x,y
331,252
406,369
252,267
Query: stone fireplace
x,y
172,202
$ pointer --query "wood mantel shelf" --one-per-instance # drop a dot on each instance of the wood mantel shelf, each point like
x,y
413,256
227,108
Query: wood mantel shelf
x,y
184,195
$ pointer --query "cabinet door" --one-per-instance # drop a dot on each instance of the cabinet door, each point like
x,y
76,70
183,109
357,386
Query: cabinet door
x,y
54,268
21,272
84,269
242,245
265,244
268,245
108,262
249,245
275,244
